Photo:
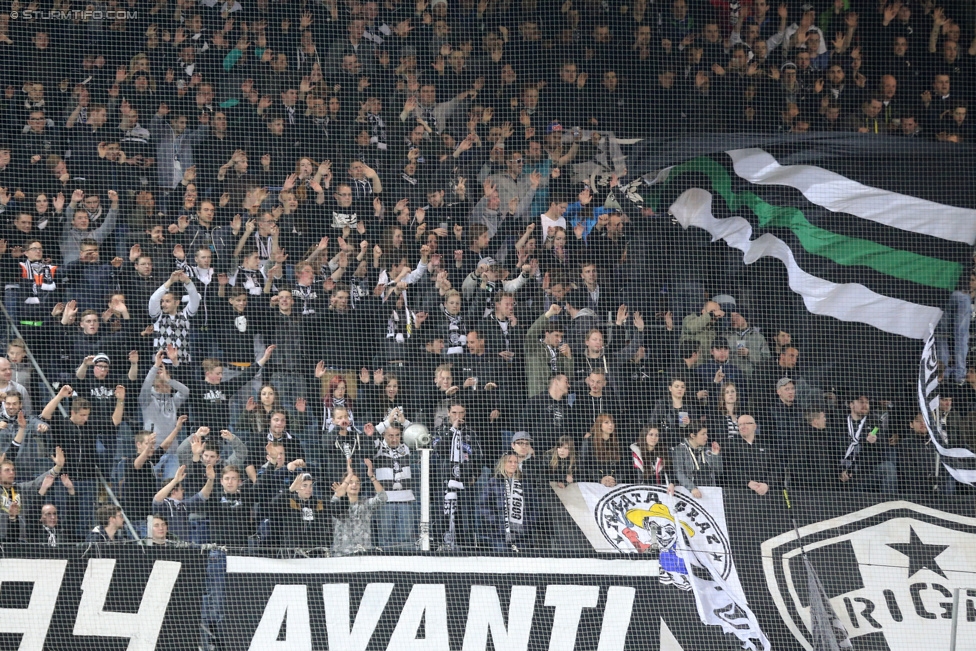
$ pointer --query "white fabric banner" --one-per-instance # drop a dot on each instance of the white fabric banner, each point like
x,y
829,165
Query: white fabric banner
x,y
688,535
928,402
719,602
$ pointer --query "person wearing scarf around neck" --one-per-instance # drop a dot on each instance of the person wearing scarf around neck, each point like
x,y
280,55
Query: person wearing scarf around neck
x,y
457,459
650,465
507,507
397,521
449,320
343,446
278,431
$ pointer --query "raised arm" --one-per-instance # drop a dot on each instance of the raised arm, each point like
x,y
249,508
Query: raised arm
x,y
52,406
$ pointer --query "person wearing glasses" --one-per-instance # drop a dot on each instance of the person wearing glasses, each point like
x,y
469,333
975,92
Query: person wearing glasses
x,y
513,182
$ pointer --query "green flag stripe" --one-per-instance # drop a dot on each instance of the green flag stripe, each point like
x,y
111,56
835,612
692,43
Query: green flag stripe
x,y
844,250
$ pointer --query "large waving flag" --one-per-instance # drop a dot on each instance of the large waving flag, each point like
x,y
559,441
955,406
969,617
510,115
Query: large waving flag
x,y
883,249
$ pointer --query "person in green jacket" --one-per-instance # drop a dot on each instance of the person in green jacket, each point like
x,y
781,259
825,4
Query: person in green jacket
x,y
545,352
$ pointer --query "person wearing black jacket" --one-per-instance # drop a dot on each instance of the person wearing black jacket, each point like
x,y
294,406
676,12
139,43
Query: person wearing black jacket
x,y
229,514
78,439
812,453
210,396
234,322
549,415
46,525
457,460
866,462
750,464
301,520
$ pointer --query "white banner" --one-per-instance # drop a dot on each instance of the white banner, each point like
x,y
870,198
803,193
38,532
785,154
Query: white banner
x,y
683,532
719,602
928,402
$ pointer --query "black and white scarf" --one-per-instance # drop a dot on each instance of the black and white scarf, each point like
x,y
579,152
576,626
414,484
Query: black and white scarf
x,y
252,280
850,456
553,356
455,332
514,508
348,445
459,455
306,295
377,130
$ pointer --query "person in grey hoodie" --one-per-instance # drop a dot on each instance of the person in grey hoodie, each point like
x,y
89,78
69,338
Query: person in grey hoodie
x,y
160,405
77,226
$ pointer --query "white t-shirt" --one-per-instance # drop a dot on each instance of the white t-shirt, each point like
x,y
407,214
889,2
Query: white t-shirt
x,y
550,223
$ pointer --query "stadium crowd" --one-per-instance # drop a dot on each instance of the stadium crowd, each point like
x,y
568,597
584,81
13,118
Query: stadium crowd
x,y
249,243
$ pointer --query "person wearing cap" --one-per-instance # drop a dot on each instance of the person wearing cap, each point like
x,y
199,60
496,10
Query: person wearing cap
x,y
868,461
102,390
521,445
507,507
785,415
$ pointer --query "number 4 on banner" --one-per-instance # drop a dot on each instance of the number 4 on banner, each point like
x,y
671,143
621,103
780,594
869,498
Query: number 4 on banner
x,y
141,628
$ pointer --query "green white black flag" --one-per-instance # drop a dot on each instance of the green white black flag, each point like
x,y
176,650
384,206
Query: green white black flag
x,y
853,251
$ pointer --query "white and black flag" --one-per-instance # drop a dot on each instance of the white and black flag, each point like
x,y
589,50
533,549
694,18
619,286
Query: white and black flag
x,y
958,462
826,628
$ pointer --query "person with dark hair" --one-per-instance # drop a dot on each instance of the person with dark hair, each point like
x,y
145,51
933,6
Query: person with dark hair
x,y
549,415
673,413
868,460
111,525
15,498
649,460
719,369
300,520
545,352
76,436
456,462
694,464
353,529
602,458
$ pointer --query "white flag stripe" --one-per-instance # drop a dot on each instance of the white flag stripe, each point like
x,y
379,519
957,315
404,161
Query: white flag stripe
x,y
847,302
928,401
838,193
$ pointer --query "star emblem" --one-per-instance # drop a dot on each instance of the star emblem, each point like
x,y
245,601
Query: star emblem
x,y
920,556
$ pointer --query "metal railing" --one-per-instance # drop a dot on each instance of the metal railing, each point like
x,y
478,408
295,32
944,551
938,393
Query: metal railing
x,y
12,328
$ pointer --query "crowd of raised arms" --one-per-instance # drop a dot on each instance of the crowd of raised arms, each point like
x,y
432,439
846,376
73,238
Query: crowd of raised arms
x,y
249,243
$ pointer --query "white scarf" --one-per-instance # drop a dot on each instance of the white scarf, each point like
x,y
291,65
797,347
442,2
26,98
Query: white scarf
x,y
514,508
